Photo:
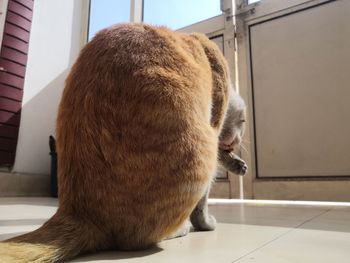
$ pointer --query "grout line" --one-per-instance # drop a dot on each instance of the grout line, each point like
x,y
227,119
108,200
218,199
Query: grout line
x,y
265,244
281,235
312,218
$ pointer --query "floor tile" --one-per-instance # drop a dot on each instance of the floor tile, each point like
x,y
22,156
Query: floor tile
x,y
226,243
265,215
245,233
21,215
325,238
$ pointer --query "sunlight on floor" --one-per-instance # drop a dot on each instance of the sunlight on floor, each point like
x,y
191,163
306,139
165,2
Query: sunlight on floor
x,y
214,201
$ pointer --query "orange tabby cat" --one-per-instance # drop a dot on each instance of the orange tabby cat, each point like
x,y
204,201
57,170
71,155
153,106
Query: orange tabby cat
x,y
137,140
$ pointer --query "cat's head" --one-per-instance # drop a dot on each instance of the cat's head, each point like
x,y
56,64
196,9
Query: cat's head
x,y
234,125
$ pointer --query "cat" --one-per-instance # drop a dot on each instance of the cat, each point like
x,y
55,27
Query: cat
x,y
231,135
137,138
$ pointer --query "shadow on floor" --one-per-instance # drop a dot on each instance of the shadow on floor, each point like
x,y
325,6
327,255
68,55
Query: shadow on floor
x,y
119,255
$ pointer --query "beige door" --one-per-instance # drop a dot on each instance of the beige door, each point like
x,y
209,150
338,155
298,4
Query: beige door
x,y
220,29
294,72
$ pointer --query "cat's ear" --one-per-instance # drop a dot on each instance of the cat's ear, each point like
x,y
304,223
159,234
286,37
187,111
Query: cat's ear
x,y
220,79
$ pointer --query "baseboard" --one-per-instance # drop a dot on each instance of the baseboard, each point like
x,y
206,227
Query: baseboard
x,y
335,191
16,184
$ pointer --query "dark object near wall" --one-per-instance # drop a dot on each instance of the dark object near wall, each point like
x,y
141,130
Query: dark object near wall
x,y
13,62
53,175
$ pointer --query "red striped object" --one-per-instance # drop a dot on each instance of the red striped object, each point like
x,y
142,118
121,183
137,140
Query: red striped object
x,y
13,61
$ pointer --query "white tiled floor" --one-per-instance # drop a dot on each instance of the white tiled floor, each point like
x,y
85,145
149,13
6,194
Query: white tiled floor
x,y
253,232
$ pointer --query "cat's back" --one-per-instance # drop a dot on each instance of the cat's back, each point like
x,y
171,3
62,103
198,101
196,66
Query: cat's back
x,y
136,45
137,74
144,91
143,49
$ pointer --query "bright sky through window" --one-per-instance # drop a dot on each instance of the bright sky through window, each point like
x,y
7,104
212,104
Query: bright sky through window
x,y
172,13
104,13
179,13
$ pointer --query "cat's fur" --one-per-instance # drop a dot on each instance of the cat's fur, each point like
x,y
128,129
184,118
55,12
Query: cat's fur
x,y
231,135
137,140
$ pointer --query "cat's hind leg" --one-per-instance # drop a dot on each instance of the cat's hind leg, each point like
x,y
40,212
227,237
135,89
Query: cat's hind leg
x,y
200,217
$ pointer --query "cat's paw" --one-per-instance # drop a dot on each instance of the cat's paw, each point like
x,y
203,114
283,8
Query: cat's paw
x,y
238,166
210,223
242,168
202,223
183,231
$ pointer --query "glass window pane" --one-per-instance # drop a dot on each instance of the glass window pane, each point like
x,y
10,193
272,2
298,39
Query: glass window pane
x,y
104,13
252,1
219,41
179,13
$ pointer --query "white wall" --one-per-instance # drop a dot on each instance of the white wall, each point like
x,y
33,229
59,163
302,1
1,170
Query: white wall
x,y
57,34
3,11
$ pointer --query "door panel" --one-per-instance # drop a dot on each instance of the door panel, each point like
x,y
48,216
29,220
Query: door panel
x,y
293,58
300,64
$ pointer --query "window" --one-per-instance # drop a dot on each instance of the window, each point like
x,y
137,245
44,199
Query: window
x,y
179,13
104,13
219,41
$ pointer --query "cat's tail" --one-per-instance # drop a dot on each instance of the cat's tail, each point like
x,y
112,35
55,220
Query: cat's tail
x,y
59,239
